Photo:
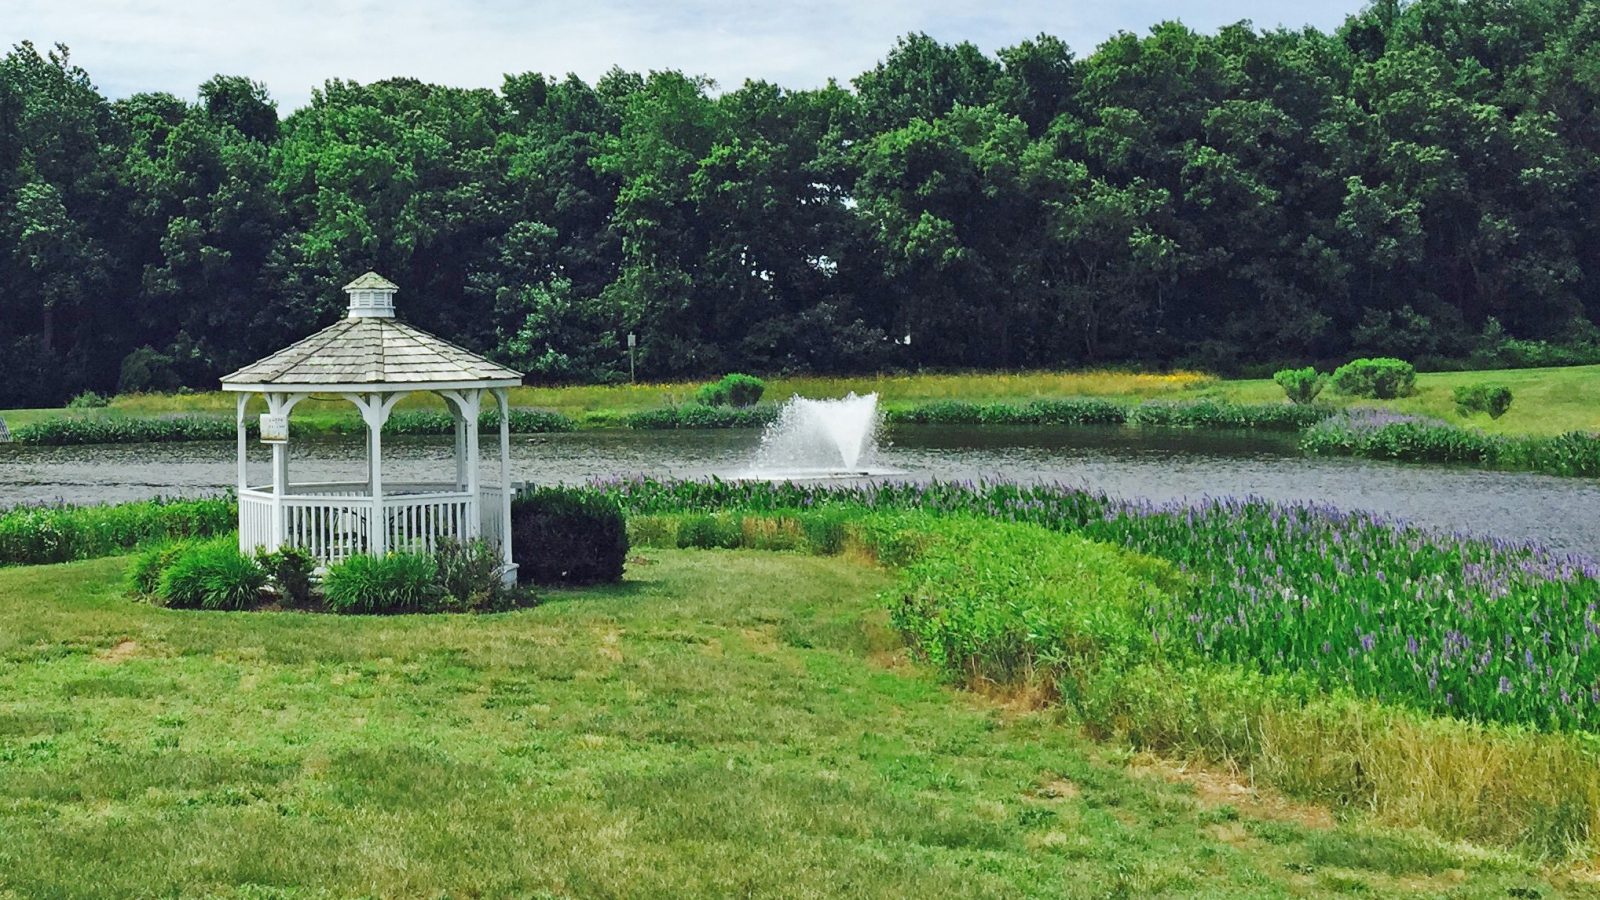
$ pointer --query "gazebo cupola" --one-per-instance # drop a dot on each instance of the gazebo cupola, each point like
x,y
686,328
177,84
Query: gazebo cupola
x,y
372,359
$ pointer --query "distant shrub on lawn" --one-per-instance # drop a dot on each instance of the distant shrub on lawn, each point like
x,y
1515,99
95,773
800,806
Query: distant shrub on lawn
x,y
88,400
34,535
1301,385
393,583
568,536
735,389
1379,378
212,575
1493,399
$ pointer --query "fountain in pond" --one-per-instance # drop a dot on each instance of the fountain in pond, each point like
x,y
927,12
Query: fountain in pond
x,y
821,439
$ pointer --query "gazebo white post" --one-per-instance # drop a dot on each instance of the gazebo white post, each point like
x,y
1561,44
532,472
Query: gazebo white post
x,y
278,404
280,478
502,399
244,471
471,404
375,411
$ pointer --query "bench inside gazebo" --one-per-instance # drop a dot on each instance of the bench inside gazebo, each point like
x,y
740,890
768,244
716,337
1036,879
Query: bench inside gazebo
x,y
372,359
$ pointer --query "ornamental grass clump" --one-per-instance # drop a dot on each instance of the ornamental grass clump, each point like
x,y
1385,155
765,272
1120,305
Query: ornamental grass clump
x,y
392,583
211,575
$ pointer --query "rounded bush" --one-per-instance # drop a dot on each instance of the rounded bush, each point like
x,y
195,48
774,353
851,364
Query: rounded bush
x,y
568,536
1493,399
1380,378
1301,385
735,389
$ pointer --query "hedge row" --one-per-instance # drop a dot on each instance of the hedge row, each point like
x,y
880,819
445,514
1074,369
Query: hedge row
x,y
71,430
34,535
1093,411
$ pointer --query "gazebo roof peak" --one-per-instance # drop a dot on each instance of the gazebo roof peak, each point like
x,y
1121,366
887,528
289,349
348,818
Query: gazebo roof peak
x,y
371,296
372,281
369,348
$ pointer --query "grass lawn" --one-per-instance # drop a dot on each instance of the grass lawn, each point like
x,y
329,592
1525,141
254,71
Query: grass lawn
x,y
1547,401
722,723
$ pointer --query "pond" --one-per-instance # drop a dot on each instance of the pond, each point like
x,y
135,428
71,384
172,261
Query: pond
x,y
1155,463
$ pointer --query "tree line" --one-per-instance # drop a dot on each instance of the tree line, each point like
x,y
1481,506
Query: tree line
x,y
1424,181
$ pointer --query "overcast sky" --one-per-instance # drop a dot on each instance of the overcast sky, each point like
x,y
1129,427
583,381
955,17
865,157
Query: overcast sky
x,y
294,45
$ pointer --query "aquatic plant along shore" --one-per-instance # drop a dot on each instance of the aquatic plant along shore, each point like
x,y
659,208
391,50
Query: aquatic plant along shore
x,y
1490,631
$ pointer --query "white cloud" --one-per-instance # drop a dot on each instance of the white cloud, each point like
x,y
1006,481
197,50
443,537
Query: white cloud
x,y
294,45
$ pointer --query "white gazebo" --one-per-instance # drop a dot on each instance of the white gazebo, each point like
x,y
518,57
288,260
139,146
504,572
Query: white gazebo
x,y
372,359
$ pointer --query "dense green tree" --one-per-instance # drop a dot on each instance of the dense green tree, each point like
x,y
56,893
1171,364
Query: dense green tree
x,y
1424,181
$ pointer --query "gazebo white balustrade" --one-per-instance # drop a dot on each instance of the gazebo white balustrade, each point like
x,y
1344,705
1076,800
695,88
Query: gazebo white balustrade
x,y
372,360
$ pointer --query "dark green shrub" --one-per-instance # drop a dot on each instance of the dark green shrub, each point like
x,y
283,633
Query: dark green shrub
x,y
212,575
393,583
1493,399
735,389
147,370
88,400
1381,378
568,536
1301,385
289,569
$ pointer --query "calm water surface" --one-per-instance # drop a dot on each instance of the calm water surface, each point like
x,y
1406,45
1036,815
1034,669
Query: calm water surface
x,y
1158,464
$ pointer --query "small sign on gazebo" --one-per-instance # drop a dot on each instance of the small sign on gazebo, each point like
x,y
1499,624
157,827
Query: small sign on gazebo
x,y
274,428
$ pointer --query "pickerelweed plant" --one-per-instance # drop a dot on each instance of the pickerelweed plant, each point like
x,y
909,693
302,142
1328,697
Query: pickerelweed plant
x,y
1486,630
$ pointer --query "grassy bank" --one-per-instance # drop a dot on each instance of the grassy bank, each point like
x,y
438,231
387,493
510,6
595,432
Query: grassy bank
x,y
1434,680
1549,401
739,724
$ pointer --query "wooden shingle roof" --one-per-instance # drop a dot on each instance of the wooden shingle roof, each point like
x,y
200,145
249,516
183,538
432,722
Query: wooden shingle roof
x,y
370,352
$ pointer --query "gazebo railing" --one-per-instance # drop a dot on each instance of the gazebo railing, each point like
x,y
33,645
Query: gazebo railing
x,y
334,521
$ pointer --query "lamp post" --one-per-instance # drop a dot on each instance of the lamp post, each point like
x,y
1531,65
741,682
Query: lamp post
x,y
633,341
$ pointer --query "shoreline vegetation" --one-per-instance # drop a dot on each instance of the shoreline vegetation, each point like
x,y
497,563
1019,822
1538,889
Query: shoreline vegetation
x,y
1217,633
1551,429
1458,694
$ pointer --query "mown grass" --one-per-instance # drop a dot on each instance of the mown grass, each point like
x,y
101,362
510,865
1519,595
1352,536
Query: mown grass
x,y
1548,401
721,723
